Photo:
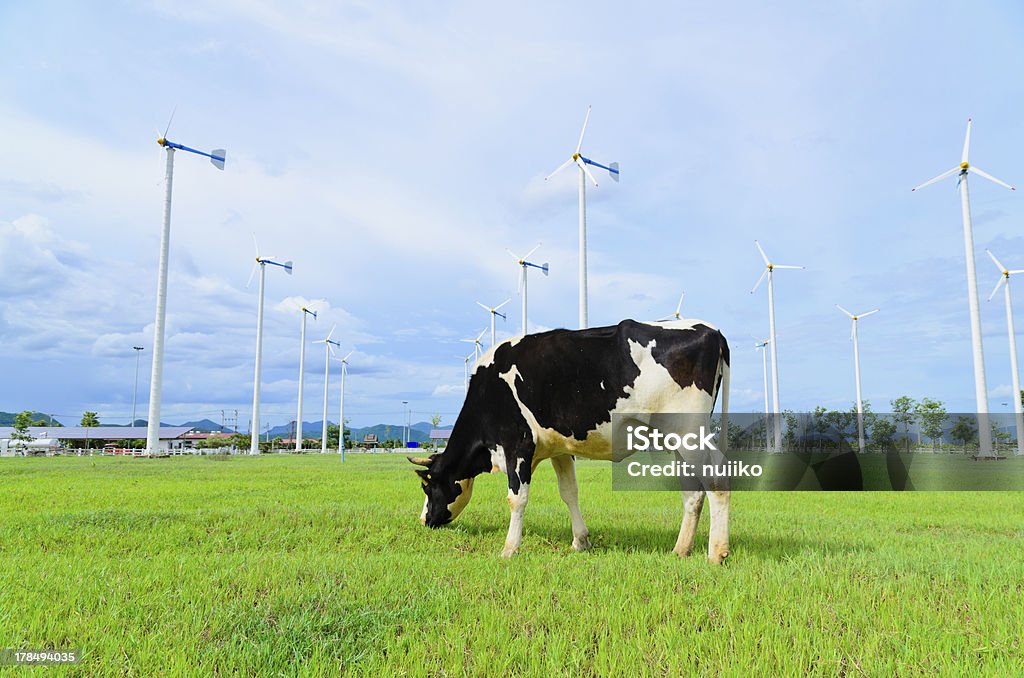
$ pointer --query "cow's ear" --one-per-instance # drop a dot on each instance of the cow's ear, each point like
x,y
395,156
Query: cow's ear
x,y
424,474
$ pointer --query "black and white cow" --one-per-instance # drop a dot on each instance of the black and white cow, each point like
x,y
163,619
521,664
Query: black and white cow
x,y
552,396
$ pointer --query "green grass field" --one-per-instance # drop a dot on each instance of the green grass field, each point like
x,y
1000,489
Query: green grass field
x,y
285,565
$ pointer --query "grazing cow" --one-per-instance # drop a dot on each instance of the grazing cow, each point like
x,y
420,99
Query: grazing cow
x,y
552,396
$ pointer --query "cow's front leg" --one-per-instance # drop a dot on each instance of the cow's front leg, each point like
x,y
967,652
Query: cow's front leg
x,y
693,502
519,474
565,471
718,539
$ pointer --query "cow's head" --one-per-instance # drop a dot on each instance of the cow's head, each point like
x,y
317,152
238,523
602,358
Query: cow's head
x,y
446,496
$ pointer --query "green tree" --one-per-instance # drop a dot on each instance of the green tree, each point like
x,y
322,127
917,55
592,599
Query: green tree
x,y
1000,436
932,414
332,437
883,431
435,421
964,431
20,436
90,419
903,409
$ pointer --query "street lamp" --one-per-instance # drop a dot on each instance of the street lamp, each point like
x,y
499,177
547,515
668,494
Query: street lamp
x,y
135,393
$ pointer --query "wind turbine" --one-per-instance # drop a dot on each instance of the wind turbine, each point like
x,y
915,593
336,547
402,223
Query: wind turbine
x,y
679,307
768,268
466,378
159,327
762,347
980,389
854,317
582,161
523,265
477,351
341,410
1004,279
302,374
494,312
328,350
261,262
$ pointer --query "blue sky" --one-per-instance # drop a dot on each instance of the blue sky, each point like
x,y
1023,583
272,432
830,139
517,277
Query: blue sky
x,y
394,151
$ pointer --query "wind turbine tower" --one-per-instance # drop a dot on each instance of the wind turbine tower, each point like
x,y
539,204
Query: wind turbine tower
x,y
769,267
980,388
763,348
302,374
582,161
341,410
1004,280
494,312
856,371
524,263
261,262
216,157
328,351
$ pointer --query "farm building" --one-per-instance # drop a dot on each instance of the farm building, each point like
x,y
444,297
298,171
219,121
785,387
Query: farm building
x,y
49,439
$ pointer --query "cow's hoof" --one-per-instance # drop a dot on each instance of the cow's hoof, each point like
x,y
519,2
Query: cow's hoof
x,y
581,543
718,557
683,553
509,551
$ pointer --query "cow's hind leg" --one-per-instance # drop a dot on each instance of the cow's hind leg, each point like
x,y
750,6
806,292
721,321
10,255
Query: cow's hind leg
x,y
565,471
718,539
693,502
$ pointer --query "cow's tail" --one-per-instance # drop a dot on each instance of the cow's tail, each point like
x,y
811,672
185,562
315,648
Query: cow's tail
x,y
723,373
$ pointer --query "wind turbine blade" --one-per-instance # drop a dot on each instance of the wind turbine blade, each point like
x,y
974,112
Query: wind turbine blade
x,y
251,274
256,245
486,308
532,251
763,255
345,359
998,264
480,335
331,333
967,142
999,284
498,307
986,175
560,168
865,315
1015,272
586,171
680,304
938,178
760,280
168,128
784,266
583,131
217,157
844,310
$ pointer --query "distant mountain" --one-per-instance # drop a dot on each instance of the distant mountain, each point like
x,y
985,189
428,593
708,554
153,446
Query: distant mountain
x,y
7,419
204,426
313,429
